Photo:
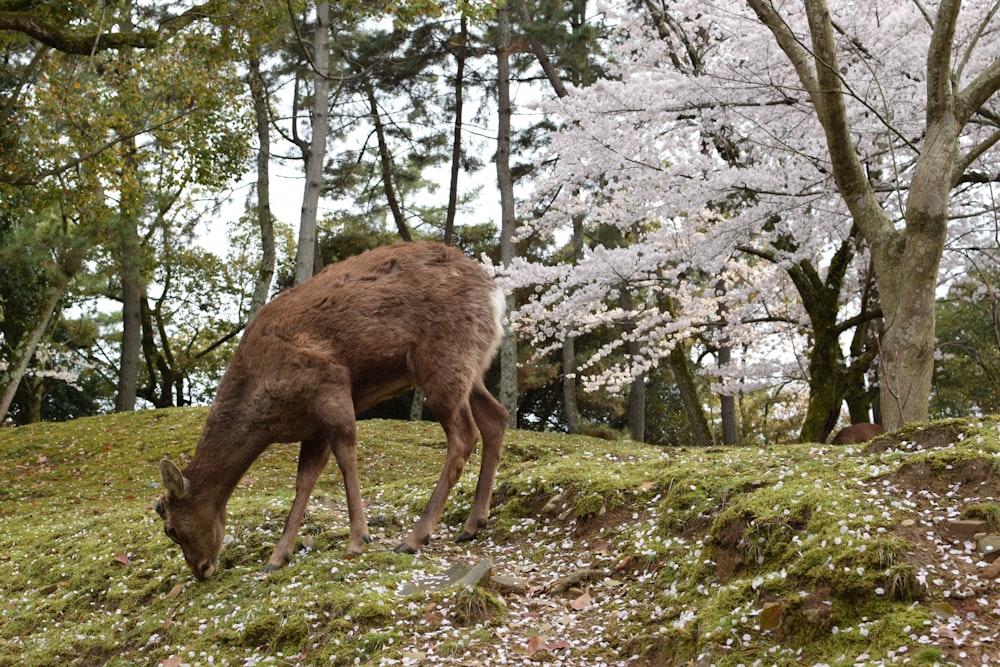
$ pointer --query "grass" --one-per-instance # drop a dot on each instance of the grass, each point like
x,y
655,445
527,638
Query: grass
x,y
628,553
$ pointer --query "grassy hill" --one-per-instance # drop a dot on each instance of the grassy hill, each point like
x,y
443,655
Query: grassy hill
x,y
601,553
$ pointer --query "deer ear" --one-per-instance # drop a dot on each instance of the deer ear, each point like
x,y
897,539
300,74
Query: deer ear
x,y
173,480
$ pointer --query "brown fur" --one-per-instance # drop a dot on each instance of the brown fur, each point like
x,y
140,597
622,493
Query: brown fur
x,y
856,433
365,329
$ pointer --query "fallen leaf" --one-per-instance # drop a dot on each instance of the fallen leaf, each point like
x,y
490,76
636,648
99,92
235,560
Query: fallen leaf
x,y
175,591
122,559
172,661
770,616
558,644
535,644
646,486
581,602
600,546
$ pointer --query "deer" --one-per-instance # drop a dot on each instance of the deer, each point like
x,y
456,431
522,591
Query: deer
x,y
856,433
415,314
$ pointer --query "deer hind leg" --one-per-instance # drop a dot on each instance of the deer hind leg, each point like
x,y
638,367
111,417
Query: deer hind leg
x,y
313,457
461,434
491,418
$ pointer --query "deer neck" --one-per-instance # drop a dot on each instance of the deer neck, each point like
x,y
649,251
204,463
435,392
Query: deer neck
x,y
224,454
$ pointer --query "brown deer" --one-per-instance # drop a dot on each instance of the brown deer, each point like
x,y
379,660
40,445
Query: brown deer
x,y
362,330
856,433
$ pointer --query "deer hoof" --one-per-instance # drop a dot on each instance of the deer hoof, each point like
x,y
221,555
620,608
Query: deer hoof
x,y
405,548
466,536
367,539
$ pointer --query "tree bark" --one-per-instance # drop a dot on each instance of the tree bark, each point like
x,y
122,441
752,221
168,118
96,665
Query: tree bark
x,y
385,160
570,404
265,221
680,364
456,142
129,258
505,184
305,253
25,350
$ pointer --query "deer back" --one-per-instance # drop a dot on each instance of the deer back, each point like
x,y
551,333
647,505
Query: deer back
x,y
386,320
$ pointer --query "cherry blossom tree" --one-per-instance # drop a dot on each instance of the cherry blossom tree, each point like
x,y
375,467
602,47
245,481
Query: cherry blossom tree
x,y
738,143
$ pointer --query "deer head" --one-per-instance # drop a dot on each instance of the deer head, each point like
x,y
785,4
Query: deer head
x,y
195,526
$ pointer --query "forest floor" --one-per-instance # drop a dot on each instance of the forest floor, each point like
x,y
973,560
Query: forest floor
x,y
597,553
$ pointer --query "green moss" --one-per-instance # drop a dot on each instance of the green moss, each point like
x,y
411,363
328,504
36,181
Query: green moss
x,y
705,541
986,511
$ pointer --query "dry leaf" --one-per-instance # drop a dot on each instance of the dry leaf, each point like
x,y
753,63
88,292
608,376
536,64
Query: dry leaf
x,y
770,616
175,591
535,644
600,546
558,644
646,486
122,559
581,602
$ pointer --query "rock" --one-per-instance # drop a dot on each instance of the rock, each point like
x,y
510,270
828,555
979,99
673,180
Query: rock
x,y
509,584
988,547
458,575
992,570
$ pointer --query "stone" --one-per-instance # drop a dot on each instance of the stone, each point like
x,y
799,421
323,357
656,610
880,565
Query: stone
x,y
988,547
456,576
509,584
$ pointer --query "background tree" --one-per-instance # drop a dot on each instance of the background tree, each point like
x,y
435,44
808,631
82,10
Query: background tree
x,y
651,148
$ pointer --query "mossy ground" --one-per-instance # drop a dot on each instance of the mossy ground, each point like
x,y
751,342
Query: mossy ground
x,y
628,554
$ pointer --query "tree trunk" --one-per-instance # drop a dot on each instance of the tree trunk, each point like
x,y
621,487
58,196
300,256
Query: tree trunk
x,y
635,412
727,405
456,142
385,160
680,364
906,262
305,254
637,404
25,349
265,274
505,184
129,258
907,283
570,405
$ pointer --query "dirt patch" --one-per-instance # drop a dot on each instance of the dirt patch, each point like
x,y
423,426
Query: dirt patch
x,y
972,479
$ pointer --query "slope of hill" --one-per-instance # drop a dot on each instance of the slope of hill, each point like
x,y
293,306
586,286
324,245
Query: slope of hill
x,y
597,553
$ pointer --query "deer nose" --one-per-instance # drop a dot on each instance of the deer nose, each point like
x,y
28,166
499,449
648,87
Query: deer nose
x,y
206,569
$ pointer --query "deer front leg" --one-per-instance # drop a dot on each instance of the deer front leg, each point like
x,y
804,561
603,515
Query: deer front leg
x,y
344,449
313,457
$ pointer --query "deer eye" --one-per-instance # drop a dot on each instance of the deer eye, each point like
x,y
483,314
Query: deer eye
x,y
160,509
172,534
